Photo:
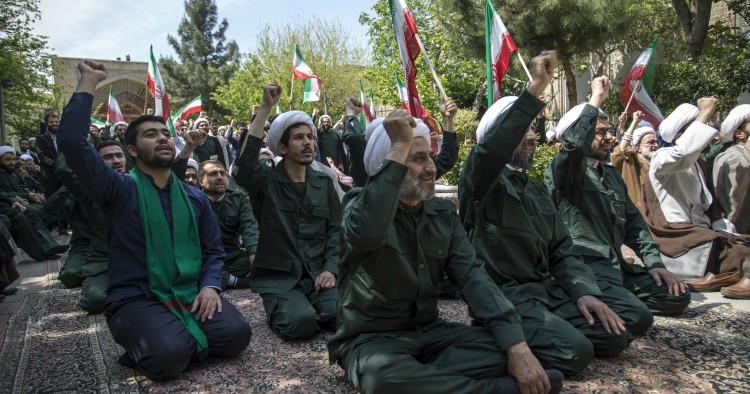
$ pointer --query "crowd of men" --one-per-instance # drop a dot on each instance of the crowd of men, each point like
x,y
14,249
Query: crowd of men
x,y
336,227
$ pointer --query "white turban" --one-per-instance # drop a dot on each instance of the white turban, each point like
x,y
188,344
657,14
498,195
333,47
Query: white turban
x,y
120,123
735,118
639,133
192,164
645,123
320,121
551,133
567,120
379,144
26,157
681,116
371,127
283,122
493,113
267,151
32,139
198,122
6,149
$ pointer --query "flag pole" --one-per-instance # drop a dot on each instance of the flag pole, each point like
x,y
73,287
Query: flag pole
x,y
432,69
523,63
291,92
632,95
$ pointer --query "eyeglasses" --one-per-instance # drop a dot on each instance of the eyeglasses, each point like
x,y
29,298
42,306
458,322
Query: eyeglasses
x,y
600,131
650,142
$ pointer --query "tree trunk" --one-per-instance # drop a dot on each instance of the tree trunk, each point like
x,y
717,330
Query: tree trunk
x,y
570,80
694,16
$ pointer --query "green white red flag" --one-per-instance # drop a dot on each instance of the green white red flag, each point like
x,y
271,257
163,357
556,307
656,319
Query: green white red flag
x,y
98,123
301,70
159,91
408,48
114,114
641,80
195,105
365,117
499,46
373,113
402,93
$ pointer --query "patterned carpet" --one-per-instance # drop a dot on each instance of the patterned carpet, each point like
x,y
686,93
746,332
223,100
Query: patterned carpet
x,y
52,346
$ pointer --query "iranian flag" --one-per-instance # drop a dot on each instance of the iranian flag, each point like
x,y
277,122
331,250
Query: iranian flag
x,y
638,85
156,87
365,117
301,70
98,123
192,107
408,48
114,114
402,94
499,46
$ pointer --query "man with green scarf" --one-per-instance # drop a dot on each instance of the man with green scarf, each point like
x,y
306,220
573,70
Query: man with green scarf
x,y
163,303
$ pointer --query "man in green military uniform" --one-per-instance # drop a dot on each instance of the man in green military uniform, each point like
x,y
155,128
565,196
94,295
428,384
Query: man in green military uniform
x,y
298,212
236,221
11,185
514,228
117,133
593,201
398,242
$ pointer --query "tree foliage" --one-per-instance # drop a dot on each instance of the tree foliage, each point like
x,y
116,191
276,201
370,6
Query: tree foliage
x,y
25,60
694,16
327,47
206,58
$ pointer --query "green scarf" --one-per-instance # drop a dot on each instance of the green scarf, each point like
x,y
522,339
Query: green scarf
x,y
174,262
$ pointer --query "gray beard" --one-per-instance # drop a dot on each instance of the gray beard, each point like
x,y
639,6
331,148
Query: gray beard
x,y
523,160
648,155
411,189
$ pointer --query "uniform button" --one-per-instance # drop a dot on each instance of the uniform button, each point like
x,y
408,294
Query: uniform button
x,y
440,251
421,266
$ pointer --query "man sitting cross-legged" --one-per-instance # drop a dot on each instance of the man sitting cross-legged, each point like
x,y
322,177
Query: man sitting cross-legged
x,y
165,253
527,249
398,242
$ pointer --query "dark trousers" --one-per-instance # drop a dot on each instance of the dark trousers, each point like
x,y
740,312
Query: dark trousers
x,y
439,357
160,345
298,313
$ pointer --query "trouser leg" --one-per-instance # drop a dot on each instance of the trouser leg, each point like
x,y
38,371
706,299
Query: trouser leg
x,y
228,333
238,266
605,345
71,273
443,357
25,235
657,298
290,315
636,315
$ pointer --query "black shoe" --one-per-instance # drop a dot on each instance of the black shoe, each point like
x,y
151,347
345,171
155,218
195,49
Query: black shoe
x,y
126,361
9,292
508,385
57,250
242,283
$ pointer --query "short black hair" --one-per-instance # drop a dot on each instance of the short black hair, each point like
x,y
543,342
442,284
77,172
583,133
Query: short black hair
x,y
201,167
285,135
131,132
212,120
105,144
23,139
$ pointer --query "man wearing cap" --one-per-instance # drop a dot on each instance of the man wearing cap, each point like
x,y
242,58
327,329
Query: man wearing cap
x,y
592,198
685,218
118,129
732,170
296,265
512,223
191,173
632,156
399,241
165,254
211,149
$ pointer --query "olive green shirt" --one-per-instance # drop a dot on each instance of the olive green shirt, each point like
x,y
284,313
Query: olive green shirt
x,y
299,237
236,221
594,203
512,222
393,262
11,185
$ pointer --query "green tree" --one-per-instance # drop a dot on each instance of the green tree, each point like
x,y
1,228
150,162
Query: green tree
x,y
328,48
694,17
206,58
25,60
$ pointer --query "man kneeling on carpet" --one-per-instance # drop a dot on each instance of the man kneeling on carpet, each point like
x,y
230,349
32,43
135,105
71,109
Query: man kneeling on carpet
x,y
398,242
163,304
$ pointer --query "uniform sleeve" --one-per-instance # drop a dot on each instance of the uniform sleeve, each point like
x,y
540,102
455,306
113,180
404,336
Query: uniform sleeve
x,y
567,267
354,139
489,156
448,155
250,173
638,237
211,247
248,224
331,254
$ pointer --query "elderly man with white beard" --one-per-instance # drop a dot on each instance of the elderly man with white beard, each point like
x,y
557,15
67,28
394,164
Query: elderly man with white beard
x,y
399,240
632,156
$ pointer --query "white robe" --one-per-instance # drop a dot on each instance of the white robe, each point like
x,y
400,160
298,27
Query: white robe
x,y
732,180
678,181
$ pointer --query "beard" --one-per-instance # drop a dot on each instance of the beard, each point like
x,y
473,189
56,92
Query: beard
x,y
155,161
601,155
411,189
647,154
523,159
